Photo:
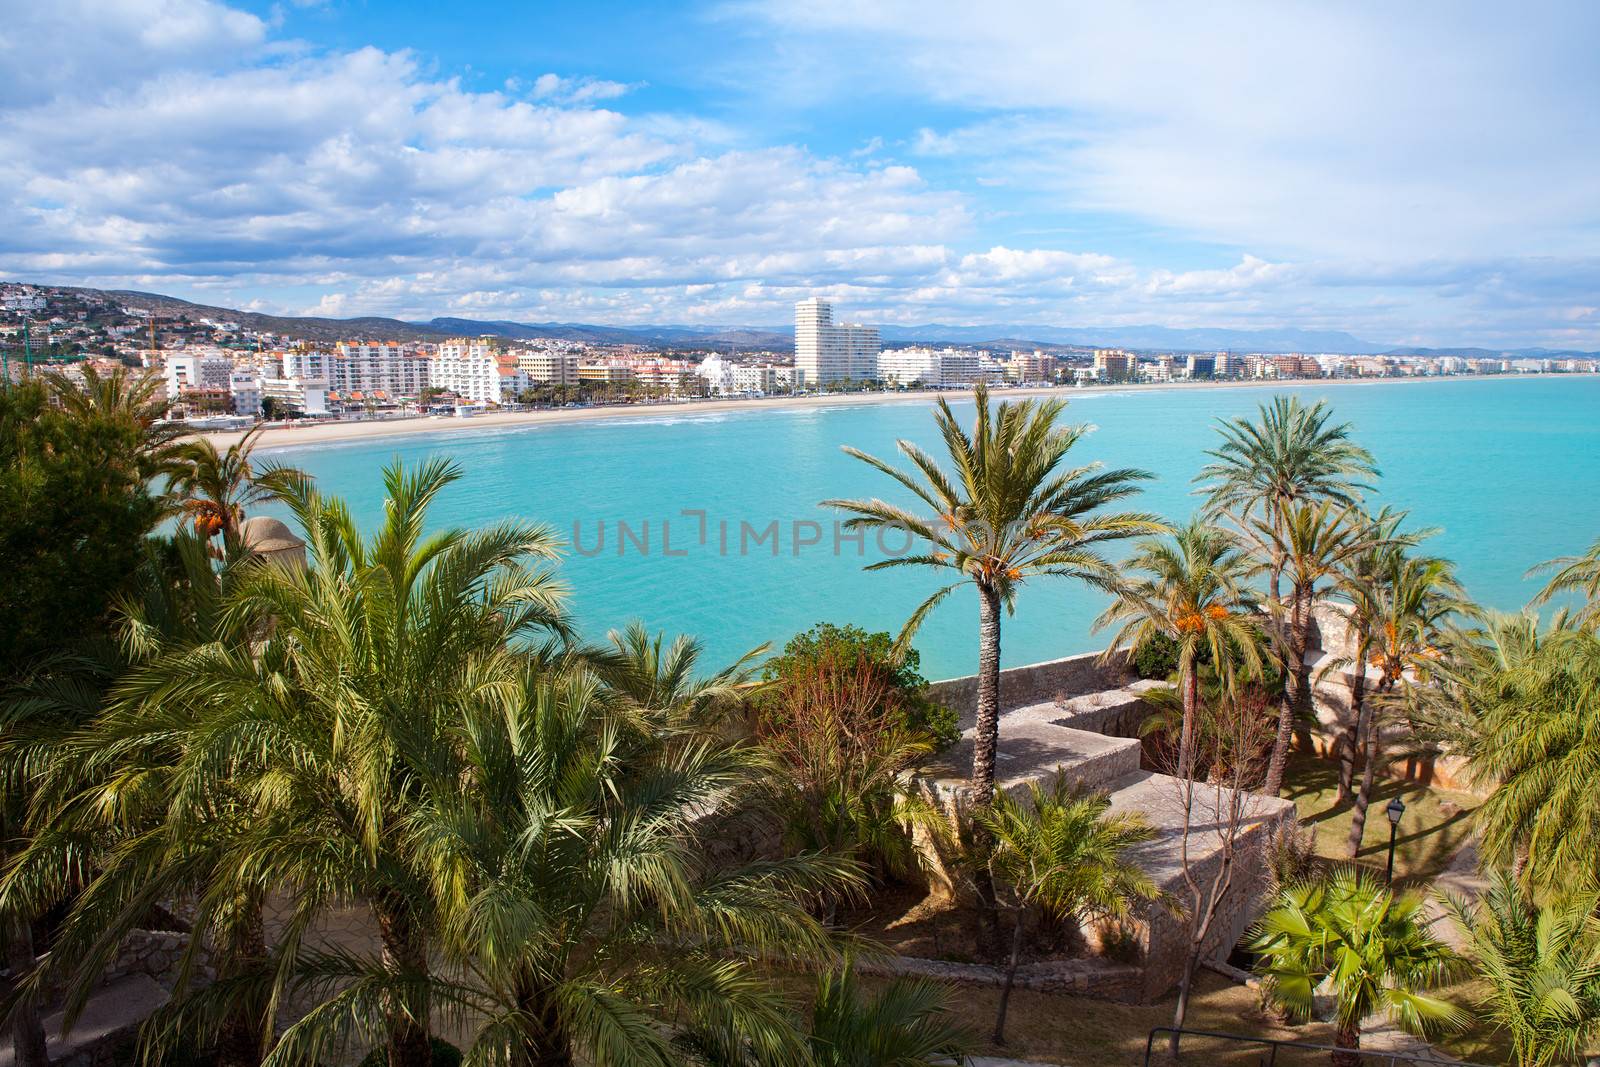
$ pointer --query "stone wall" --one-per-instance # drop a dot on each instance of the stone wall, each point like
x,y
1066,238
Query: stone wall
x,y
1098,978
1035,683
1165,939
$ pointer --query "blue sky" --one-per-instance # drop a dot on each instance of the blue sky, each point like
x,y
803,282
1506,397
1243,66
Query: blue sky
x,y
1419,173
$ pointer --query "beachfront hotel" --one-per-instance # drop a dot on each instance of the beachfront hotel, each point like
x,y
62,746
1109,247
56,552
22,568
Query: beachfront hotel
x,y
827,352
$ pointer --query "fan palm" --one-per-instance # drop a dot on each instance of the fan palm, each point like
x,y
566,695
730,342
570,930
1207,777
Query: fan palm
x,y
1372,947
1193,589
1574,574
1007,514
1541,966
1065,853
577,914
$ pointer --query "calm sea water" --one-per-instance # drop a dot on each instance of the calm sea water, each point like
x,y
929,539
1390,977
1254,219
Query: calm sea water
x,y
1510,469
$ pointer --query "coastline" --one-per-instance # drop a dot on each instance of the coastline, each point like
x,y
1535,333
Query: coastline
x,y
323,433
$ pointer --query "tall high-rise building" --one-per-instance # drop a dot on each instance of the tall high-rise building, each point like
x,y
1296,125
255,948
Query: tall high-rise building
x,y
1114,365
828,352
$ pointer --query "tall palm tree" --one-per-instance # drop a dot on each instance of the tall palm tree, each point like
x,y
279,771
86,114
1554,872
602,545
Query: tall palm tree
x,y
1311,542
578,918
1289,455
1065,853
1373,946
1574,574
216,487
1413,599
1540,965
1356,589
1193,589
1008,513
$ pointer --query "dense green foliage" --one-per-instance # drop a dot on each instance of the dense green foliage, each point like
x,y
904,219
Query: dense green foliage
x,y
915,713
75,507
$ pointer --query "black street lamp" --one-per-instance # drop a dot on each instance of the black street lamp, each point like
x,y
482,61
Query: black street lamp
x,y
1396,808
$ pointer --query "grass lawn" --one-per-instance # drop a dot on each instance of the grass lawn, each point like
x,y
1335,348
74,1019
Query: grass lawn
x,y
1435,825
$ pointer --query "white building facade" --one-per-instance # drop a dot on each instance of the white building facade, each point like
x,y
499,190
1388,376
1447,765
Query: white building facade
x,y
825,351
474,370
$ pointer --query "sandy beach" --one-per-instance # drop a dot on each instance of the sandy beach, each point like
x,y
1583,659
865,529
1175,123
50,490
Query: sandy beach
x,y
311,433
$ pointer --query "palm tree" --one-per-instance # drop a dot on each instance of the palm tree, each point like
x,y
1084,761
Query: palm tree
x,y
1192,589
904,1024
1064,853
1356,586
346,669
1541,967
138,400
216,487
1373,947
662,678
566,855
1290,455
1574,574
1008,513
1311,543
1412,600
1529,729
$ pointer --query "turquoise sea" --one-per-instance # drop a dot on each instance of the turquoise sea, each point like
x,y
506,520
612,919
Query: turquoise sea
x,y
1509,468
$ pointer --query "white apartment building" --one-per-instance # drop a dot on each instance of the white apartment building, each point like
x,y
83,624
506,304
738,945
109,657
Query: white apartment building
x,y
368,367
189,371
474,370
246,389
934,368
305,396
549,367
828,352
763,379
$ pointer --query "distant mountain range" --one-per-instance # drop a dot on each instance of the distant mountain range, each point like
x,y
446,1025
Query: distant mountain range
x,y
1158,338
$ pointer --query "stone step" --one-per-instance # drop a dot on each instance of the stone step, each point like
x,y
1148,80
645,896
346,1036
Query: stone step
x,y
114,1011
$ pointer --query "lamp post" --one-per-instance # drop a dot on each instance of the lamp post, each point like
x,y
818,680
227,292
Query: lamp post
x,y
1396,808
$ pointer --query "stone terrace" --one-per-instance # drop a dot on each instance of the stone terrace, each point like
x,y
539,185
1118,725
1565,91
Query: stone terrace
x,y
1079,718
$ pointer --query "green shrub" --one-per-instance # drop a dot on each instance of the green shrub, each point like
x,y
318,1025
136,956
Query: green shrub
x,y
1156,657
917,715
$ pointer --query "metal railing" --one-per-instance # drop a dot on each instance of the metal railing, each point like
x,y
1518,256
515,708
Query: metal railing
x,y
1271,1047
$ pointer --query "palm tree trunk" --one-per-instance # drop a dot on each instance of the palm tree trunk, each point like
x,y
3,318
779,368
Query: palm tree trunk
x,y
1351,739
1347,1037
1011,977
548,1044
242,1041
405,954
1358,814
1304,700
986,734
1191,703
1287,702
27,1034
985,742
